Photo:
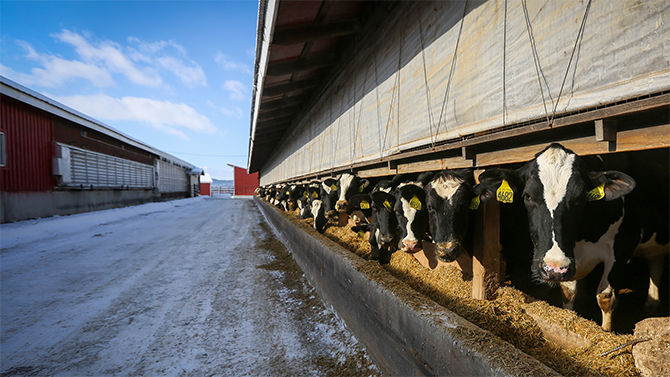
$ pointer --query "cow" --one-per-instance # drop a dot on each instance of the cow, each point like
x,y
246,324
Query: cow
x,y
305,202
349,185
412,213
449,197
296,192
328,194
360,208
384,235
571,227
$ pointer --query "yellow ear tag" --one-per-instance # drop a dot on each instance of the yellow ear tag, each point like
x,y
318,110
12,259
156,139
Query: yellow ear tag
x,y
361,234
360,189
474,203
305,194
365,204
596,194
415,203
388,206
505,193
333,187
315,195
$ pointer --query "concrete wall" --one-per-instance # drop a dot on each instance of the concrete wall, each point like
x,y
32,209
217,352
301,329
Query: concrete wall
x,y
17,206
404,332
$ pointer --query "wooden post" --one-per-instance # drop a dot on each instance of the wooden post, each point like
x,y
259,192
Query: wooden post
x,y
605,129
486,260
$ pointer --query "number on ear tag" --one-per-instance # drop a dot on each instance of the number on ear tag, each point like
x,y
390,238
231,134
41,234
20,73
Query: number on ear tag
x,y
415,203
388,206
505,193
474,203
333,187
365,204
596,194
361,234
360,189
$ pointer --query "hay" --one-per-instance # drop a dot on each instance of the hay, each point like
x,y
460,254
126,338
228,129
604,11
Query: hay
x,y
509,316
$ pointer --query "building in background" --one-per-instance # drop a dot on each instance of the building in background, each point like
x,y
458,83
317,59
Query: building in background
x,y
57,161
244,183
206,185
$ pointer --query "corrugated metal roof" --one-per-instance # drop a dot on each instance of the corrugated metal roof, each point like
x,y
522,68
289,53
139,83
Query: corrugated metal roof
x,y
298,47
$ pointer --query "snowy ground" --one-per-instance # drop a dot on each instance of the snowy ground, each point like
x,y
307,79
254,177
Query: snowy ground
x,y
193,287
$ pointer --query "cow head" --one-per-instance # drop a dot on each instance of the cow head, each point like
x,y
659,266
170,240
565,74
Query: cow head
x,y
556,187
348,186
360,208
385,219
319,215
329,193
412,213
448,197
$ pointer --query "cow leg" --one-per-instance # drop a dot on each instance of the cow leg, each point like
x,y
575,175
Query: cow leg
x,y
569,292
606,298
655,273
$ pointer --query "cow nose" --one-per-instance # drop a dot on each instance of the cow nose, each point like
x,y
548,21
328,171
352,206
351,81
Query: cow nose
x,y
386,240
448,251
553,272
410,246
341,205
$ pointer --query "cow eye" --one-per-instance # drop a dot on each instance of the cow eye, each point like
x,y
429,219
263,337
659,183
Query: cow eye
x,y
527,197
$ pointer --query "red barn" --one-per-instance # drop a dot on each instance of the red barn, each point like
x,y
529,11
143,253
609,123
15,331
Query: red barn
x,y
205,185
245,184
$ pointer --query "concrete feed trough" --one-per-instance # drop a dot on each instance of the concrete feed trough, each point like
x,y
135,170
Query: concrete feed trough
x,y
404,332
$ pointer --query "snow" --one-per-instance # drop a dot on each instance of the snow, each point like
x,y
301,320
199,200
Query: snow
x,y
188,287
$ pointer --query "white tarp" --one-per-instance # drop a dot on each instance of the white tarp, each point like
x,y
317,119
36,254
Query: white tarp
x,y
391,97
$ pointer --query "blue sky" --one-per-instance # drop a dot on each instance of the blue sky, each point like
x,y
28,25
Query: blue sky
x,y
177,75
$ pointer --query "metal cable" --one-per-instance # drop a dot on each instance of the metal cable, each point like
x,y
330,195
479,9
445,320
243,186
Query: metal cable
x,y
567,70
451,72
535,59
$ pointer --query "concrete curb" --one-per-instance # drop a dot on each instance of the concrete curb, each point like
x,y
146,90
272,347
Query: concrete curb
x,y
404,332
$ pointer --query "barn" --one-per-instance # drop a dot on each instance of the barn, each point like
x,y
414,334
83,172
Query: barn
x,y
58,161
385,88
244,184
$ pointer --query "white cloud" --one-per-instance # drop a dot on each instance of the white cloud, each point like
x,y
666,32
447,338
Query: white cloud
x,y
236,112
231,65
109,55
237,89
157,53
57,71
166,116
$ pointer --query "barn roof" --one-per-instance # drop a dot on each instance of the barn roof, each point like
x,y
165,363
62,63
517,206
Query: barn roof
x,y
299,47
42,102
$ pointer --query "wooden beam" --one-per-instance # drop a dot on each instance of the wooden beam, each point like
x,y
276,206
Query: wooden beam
x,y
379,172
275,90
315,32
285,68
605,129
486,262
284,102
430,165
627,141
278,113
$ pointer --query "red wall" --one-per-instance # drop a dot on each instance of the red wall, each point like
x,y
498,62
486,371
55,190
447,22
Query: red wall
x,y
205,189
28,145
245,184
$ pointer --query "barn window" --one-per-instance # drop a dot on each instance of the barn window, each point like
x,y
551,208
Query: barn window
x,y
2,149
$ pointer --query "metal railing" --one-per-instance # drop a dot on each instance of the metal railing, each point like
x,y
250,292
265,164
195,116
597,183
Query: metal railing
x,y
236,190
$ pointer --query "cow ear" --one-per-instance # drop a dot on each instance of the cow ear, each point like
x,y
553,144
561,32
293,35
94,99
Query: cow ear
x,y
491,180
424,178
397,179
610,185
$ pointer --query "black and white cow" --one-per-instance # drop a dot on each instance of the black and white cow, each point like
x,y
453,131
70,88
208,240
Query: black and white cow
x,y
329,194
571,227
448,197
349,185
384,235
412,212
305,202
